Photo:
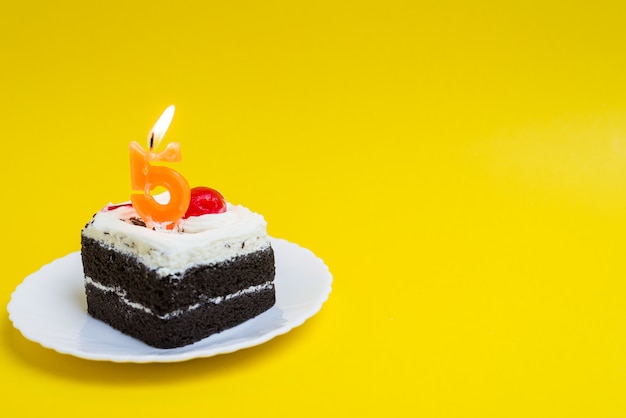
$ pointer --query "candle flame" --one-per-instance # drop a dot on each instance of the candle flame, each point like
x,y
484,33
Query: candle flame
x,y
160,127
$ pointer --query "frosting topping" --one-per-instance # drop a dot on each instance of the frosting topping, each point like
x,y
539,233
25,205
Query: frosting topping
x,y
204,239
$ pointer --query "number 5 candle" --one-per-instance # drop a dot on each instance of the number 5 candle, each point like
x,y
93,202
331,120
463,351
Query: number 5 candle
x,y
145,177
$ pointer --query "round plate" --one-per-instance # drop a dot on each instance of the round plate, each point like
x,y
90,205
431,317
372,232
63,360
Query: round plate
x,y
49,307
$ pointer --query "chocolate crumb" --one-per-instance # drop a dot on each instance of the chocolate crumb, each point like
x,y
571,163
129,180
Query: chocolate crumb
x,y
137,221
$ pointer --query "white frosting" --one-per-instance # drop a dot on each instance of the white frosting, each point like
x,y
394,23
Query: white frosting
x,y
205,239
121,293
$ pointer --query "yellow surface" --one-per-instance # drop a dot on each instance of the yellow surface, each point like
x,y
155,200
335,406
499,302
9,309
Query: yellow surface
x,y
460,166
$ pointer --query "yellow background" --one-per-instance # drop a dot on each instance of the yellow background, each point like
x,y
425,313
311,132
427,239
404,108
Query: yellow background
x,y
460,166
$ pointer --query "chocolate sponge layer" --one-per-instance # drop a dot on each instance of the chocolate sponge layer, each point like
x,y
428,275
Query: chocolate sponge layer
x,y
176,292
180,330
161,295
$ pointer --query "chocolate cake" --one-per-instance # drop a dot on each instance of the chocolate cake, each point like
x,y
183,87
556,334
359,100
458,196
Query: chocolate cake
x,y
173,287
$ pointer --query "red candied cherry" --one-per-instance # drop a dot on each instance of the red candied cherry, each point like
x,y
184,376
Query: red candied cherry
x,y
205,200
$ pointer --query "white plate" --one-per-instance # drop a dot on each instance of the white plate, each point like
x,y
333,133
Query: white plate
x,y
49,307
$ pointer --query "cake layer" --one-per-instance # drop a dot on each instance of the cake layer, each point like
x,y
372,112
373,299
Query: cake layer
x,y
184,327
108,268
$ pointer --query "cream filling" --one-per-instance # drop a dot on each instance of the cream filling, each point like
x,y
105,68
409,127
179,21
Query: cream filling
x,y
121,293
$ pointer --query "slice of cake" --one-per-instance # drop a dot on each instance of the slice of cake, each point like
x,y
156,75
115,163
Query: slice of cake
x,y
170,287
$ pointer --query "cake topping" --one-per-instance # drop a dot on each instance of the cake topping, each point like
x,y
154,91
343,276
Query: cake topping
x,y
220,235
204,201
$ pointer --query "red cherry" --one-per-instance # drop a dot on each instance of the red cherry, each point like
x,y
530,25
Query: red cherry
x,y
205,200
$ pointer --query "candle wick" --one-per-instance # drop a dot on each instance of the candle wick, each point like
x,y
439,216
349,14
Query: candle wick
x,y
151,140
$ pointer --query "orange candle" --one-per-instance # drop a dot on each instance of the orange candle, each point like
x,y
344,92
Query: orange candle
x,y
145,177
